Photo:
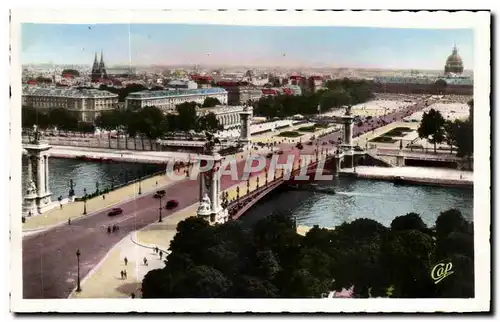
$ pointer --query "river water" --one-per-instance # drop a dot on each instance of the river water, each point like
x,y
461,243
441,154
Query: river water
x,y
85,174
355,198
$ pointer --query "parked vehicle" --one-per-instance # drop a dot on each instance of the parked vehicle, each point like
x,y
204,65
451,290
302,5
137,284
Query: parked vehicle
x,y
171,204
115,212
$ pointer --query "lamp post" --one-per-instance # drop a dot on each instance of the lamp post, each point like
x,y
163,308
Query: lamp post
x,y
139,179
84,201
159,214
78,288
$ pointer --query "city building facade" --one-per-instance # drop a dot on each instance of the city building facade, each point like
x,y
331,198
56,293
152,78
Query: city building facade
x,y
228,116
167,100
85,104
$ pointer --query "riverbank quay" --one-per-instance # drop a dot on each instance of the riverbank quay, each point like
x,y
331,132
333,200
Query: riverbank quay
x,y
414,175
109,155
75,210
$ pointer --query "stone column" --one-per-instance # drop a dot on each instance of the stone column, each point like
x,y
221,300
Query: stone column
x,y
214,193
348,129
40,185
202,185
46,179
30,168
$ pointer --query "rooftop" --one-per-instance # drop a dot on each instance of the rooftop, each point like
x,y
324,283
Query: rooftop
x,y
171,93
457,80
65,92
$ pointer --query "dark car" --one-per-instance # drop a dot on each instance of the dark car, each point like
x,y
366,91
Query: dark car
x,y
279,152
269,155
309,143
299,146
159,194
324,143
115,212
171,204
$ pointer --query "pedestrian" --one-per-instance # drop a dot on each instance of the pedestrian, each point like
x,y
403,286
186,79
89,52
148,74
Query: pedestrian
x,y
60,205
125,260
69,221
122,274
145,261
103,197
125,274
161,254
132,295
109,230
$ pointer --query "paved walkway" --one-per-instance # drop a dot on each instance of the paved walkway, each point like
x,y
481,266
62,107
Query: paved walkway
x,y
74,210
423,173
105,280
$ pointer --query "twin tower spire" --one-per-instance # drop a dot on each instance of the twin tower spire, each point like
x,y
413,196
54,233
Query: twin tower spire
x,y
98,68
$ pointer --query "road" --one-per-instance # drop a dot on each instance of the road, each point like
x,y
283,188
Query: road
x,y
49,258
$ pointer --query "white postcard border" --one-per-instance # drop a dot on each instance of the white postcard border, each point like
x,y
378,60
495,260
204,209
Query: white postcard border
x,y
480,22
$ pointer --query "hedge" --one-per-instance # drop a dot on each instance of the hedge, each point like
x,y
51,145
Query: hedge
x,y
384,139
290,134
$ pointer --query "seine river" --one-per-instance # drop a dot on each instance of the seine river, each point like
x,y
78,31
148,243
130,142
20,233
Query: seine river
x,y
354,198
86,174
378,200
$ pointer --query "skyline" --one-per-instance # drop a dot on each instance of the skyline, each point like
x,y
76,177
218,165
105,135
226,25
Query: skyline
x,y
183,44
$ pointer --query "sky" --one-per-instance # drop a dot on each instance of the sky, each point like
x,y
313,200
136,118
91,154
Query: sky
x,y
170,44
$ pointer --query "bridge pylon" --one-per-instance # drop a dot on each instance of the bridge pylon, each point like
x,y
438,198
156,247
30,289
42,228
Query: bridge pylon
x,y
210,207
37,197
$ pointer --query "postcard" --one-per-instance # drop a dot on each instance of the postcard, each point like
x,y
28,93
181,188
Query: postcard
x,y
250,161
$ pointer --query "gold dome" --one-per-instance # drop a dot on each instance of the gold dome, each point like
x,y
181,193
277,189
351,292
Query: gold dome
x,y
454,63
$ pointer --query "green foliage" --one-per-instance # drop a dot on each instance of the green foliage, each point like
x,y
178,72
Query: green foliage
x,y
271,260
408,222
338,93
290,134
432,127
211,102
383,139
311,128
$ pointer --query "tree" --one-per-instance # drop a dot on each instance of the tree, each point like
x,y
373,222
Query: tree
x,y
194,236
432,127
109,121
406,259
211,102
151,123
450,221
254,287
186,116
407,222
451,131
203,282
209,123
465,139
62,119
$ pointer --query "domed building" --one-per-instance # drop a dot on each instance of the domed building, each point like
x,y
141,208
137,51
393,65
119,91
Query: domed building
x,y
454,64
452,81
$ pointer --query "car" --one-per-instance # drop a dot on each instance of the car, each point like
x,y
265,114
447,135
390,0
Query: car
x,y
299,146
171,204
269,155
309,143
115,212
324,143
279,152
